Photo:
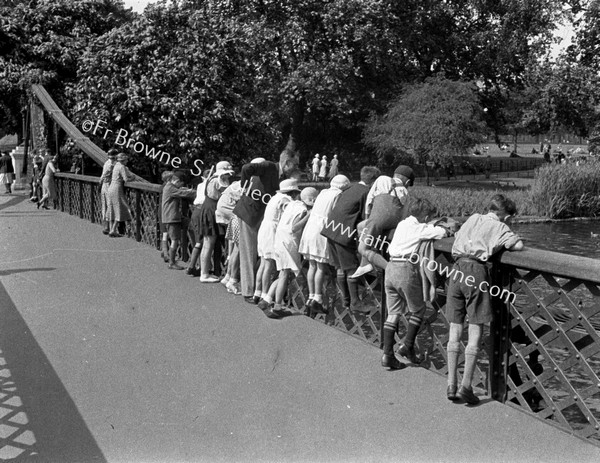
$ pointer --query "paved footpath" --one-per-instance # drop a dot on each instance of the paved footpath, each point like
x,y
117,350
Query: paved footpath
x,y
108,356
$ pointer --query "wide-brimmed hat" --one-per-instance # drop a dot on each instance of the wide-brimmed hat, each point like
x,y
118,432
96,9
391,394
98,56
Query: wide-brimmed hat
x,y
122,157
289,185
308,195
224,167
406,171
340,181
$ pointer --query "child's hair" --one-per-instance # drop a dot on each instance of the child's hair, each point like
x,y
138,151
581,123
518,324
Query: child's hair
x,y
500,203
166,176
368,174
421,207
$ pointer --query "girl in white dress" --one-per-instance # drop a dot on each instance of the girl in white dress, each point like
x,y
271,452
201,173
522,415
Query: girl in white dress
x,y
323,171
287,241
266,239
314,246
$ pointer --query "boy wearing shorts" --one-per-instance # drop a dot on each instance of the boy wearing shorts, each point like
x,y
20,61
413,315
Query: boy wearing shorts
x,y
480,237
403,281
171,213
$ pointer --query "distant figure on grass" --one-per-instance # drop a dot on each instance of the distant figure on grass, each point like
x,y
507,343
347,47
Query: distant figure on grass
x,y
404,282
480,237
118,209
288,191
314,247
315,168
105,178
48,184
171,216
323,169
287,242
333,167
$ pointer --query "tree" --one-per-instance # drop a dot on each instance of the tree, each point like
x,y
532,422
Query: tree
x,y
40,42
434,120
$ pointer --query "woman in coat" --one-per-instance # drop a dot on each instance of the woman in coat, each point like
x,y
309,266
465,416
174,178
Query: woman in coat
x,y
117,209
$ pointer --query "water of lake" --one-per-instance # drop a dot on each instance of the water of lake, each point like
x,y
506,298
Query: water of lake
x,y
567,237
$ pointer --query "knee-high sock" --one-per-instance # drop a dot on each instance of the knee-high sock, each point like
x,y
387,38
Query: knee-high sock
x,y
453,351
389,337
414,324
470,363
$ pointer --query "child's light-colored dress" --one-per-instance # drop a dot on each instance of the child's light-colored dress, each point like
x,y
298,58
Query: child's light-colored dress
x,y
268,227
313,245
287,255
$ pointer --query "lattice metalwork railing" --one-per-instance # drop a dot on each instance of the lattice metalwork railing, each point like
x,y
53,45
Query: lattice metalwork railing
x,y
541,352
554,350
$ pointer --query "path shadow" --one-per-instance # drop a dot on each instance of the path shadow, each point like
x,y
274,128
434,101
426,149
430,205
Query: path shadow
x,y
38,419
12,202
5,273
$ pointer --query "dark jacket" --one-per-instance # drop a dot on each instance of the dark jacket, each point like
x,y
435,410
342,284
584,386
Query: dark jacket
x,y
6,165
171,202
251,207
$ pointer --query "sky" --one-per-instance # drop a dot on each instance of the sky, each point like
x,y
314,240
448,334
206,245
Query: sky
x,y
137,5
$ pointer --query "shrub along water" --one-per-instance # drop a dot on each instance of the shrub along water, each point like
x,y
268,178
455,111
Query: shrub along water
x,y
462,202
567,190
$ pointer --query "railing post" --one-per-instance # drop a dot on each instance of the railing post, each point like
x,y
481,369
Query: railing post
x,y
499,335
92,205
157,215
80,198
138,215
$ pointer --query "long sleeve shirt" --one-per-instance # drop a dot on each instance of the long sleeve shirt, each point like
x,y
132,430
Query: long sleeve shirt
x,y
171,202
409,233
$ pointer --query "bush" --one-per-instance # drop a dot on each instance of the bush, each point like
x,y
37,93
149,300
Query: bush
x,y
462,202
567,190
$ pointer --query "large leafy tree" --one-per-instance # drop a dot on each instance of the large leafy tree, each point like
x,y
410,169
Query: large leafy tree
x,y
177,79
434,120
41,41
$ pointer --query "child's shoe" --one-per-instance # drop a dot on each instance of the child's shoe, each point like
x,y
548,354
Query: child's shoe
x,y
263,305
317,307
409,353
451,393
225,280
209,279
467,395
391,362
234,288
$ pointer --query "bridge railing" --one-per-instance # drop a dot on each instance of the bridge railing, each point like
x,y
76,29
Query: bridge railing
x,y
540,354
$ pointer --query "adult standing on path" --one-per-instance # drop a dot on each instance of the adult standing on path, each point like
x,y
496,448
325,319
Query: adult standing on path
x,y
117,209
323,171
48,184
6,171
333,167
250,209
105,179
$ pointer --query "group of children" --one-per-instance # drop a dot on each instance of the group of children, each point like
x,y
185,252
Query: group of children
x,y
354,229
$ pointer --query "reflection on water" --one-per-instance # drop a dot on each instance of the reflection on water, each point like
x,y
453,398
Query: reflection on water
x,y
568,237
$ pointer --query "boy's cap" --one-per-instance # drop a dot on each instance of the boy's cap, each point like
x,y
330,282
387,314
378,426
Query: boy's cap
x,y
287,186
308,195
406,171
258,161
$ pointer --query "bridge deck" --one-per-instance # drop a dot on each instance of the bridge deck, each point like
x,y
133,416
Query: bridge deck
x,y
108,356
